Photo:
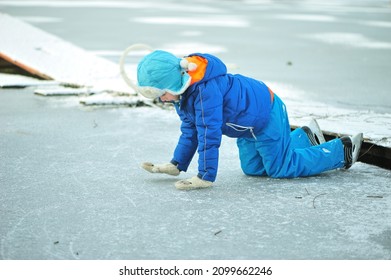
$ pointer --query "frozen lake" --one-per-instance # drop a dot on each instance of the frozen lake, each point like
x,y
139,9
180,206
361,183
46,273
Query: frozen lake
x,y
72,188
338,52
70,176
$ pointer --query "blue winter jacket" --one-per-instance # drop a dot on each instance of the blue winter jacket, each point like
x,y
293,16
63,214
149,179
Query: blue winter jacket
x,y
221,103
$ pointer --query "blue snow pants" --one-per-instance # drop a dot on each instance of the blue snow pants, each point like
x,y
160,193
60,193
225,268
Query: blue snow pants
x,y
279,153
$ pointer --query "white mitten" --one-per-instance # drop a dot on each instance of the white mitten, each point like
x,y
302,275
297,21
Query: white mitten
x,y
167,168
193,183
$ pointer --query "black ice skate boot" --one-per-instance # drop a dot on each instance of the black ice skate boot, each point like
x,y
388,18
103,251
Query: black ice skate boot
x,y
351,148
315,135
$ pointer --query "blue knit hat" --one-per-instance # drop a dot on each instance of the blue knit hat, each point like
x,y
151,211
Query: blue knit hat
x,y
160,72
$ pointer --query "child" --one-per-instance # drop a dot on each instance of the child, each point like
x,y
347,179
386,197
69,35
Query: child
x,y
211,103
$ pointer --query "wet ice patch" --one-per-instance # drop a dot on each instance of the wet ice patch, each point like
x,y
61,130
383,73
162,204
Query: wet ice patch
x,y
152,5
182,49
344,7
191,33
221,21
257,2
106,53
383,24
354,40
41,19
77,4
306,17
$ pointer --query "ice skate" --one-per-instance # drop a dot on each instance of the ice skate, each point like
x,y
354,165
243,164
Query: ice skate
x,y
352,146
314,133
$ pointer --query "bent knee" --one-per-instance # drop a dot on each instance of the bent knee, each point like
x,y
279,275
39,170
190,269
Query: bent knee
x,y
281,176
280,173
253,172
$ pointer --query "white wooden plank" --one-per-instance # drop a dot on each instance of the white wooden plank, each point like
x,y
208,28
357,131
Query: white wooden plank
x,y
51,57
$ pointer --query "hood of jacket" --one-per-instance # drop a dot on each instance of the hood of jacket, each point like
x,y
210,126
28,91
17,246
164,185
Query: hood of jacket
x,y
214,68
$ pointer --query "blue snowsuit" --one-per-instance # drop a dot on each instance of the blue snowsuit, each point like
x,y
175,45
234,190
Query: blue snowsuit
x,y
244,108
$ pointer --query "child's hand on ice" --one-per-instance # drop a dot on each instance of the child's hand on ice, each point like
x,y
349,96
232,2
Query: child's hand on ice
x,y
192,183
167,168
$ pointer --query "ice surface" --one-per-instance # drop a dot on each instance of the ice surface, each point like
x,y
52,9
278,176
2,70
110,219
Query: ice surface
x,y
161,5
72,188
41,19
70,176
384,24
226,21
301,17
350,39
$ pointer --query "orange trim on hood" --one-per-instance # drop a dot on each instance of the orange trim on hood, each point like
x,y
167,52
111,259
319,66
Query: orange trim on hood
x,y
199,73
